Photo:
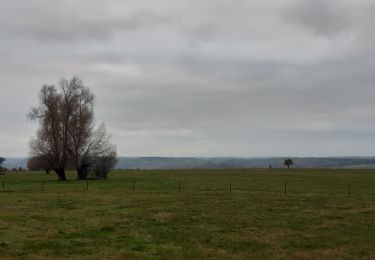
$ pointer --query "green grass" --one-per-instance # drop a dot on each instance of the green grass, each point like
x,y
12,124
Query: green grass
x,y
316,219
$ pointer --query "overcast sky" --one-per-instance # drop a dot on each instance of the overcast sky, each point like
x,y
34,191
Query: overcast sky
x,y
199,78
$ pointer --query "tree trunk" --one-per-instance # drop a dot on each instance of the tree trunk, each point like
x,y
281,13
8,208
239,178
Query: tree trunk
x,y
61,174
81,173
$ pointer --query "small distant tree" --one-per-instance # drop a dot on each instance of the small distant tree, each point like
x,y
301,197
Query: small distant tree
x,y
2,160
288,162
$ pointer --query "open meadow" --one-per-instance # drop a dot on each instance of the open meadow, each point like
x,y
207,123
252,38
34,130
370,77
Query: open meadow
x,y
190,214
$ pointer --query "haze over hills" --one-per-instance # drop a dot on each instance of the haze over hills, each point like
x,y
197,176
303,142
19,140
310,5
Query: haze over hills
x,y
226,162
238,162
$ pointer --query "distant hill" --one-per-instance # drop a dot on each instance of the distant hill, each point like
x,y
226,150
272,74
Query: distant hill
x,y
226,162
15,163
234,162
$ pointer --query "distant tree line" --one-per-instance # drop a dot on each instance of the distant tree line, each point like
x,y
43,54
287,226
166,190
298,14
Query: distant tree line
x,y
67,137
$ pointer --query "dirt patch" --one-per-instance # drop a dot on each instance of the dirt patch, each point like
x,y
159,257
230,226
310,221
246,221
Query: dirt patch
x,y
163,216
329,253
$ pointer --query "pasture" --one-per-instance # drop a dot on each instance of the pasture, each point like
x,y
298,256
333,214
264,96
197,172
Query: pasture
x,y
190,214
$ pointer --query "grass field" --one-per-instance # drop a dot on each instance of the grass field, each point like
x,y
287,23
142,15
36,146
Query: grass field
x,y
317,218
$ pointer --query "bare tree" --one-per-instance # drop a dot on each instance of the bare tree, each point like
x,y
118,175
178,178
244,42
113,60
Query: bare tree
x,y
67,130
288,162
51,140
81,129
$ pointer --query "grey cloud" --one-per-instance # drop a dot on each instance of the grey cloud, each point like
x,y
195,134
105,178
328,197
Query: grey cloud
x,y
200,34
144,19
57,22
193,78
324,18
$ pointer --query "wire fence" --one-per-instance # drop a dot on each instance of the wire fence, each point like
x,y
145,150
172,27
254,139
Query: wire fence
x,y
139,185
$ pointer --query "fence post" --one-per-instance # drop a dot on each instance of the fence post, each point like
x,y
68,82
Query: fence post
x,y
133,184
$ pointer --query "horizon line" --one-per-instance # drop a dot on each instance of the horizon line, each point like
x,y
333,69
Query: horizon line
x,y
227,156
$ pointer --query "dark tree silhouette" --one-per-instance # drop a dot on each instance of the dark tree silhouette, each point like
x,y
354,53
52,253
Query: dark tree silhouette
x,y
2,160
66,118
288,162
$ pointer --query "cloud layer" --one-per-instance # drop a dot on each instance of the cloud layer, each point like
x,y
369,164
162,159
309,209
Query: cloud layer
x,y
193,78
